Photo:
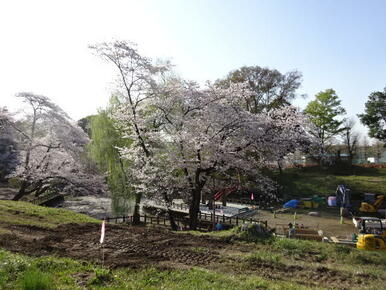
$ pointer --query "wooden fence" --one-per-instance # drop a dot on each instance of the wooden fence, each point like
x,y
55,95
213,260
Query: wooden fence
x,y
173,205
205,220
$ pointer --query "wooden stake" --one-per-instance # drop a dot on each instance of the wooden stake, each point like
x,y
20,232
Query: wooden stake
x,y
103,255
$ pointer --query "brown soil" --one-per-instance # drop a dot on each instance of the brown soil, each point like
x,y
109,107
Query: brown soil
x,y
328,222
137,247
124,245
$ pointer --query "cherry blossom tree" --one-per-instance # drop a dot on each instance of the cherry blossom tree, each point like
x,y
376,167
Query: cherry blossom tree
x,y
206,133
137,82
52,151
9,154
4,118
186,136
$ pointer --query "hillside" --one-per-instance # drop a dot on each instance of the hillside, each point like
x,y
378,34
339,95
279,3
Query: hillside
x,y
61,250
18,213
308,181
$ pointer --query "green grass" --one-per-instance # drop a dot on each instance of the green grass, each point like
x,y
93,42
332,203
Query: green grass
x,y
314,180
62,273
23,272
35,279
268,257
24,213
320,252
237,269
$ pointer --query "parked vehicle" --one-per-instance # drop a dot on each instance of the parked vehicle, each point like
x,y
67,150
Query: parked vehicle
x,y
372,207
372,234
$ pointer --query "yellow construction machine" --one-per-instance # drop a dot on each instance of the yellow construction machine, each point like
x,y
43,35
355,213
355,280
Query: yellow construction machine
x,y
372,234
367,207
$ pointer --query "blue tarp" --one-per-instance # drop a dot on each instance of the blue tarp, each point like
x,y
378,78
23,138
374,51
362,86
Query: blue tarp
x,y
293,203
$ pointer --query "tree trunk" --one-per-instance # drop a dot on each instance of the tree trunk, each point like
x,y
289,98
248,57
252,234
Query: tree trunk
x,y
224,200
194,209
168,201
136,215
350,160
21,192
210,203
279,166
173,224
203,198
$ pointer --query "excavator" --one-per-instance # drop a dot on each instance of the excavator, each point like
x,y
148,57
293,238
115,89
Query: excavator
x,y
372,208
372,234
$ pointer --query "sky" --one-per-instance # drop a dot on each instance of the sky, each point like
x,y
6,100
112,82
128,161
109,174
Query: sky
x,y
334,44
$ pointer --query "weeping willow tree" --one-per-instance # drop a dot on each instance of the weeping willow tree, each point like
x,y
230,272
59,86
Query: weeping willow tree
x,y
103,150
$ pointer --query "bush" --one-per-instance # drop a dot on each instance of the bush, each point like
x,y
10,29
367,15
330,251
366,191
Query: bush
x,y
36,280
253,233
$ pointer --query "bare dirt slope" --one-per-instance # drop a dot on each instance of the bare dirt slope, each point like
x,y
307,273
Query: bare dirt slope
x,y
140,247
124,245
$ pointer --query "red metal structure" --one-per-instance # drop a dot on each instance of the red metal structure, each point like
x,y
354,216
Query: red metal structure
x,y
224,192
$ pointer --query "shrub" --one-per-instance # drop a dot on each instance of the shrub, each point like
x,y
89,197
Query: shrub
x,y
253,233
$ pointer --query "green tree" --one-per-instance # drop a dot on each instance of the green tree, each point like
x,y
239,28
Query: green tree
x,y
85,124
9,153
375,115
103,150
271,89
350,139
323,113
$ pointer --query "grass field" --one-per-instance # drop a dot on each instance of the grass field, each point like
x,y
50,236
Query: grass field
x,y
308,181
302,260
24,213
62,273
242,260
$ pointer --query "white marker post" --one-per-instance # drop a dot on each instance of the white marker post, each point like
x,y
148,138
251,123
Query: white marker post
x,y
102,239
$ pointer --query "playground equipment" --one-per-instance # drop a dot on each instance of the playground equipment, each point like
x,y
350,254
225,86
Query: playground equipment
x,y
223,193
343,196
372,207
372,234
